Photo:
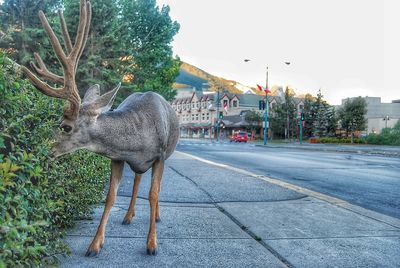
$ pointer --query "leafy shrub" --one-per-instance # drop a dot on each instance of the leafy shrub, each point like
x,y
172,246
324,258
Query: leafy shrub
x,y
39,197
388,136
340,140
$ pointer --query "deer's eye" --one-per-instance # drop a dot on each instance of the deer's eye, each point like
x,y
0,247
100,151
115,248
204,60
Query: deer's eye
x,y
66,128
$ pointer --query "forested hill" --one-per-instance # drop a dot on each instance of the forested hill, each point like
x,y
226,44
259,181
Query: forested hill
x,y
191,76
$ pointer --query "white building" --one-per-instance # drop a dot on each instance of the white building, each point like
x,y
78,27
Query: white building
x,y
380,115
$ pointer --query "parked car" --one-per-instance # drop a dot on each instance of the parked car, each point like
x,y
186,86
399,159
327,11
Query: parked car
x,y
240,137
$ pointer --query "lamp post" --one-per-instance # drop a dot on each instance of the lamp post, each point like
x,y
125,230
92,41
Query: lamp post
x,y
266,125
386,119
218,115
266,111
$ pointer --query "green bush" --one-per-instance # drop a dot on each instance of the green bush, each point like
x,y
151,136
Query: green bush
x,y
388,136
340,140
39,197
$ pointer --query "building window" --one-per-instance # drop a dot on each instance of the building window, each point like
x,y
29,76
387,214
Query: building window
x,y
235,103
197,117
225,103
192,104
208,116
192,117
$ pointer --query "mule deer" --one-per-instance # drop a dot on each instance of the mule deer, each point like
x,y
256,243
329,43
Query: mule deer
x,y
142,131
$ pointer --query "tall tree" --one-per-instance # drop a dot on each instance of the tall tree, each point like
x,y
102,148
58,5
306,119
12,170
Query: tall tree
x,y
148,33
352,115
320,119
283,123
309,116
25,35
101,60
290,113
255,120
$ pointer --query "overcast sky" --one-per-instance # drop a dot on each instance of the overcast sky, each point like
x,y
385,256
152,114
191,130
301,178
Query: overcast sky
x,y
345,47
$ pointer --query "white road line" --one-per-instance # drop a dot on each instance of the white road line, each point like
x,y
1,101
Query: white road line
x,y
332,200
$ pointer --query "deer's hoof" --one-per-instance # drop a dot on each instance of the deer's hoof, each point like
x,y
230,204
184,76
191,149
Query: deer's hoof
x,y
92,253
152,252
126,221
95,247
158,219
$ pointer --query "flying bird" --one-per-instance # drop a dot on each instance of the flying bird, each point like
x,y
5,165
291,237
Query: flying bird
x,y
287,62
246,60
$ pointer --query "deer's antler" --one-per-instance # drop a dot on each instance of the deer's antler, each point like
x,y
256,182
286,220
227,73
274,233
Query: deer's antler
x,y
68,62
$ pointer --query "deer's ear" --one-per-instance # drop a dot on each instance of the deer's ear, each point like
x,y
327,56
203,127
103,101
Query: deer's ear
x,y
91,94
105,101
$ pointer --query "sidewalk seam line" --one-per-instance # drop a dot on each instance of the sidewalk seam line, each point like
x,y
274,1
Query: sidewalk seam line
x,y
239,224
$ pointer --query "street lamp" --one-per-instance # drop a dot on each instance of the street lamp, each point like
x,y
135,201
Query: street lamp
x,y
266,111
386,119
266,125
218,101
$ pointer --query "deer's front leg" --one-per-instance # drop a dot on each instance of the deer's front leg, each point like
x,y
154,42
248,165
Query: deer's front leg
x,y
131,210
98,241
157,171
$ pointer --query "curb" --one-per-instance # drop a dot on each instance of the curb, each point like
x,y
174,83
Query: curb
x,y
366,152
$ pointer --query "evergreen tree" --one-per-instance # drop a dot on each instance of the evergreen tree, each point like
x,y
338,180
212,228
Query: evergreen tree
x,y
101,59
290,113
309,116
148,33
22,32
320,119
277,119
331,121
282,118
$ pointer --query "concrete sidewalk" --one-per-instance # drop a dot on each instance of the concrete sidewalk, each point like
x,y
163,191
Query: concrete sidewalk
x,y
213,216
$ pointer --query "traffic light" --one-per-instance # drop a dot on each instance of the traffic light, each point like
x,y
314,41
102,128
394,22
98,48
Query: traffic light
x,y
221,115
302,116
261,105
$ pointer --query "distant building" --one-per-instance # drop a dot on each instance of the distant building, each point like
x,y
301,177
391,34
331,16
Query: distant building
x,y
380,115
197,112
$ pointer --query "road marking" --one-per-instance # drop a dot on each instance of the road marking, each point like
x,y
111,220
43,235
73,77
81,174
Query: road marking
x,y
332,200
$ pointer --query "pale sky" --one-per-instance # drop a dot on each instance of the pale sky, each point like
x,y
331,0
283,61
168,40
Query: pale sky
x,y
345,47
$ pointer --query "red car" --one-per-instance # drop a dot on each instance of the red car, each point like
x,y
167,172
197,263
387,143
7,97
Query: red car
x,y
240,137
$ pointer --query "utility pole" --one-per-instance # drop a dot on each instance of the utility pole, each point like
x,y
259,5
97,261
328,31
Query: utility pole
x,y
218,115
301,127
266,111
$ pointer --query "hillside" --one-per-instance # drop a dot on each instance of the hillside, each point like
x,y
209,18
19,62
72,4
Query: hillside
x,y
191,76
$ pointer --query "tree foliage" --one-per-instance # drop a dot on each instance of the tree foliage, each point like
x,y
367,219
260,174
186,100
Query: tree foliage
x,y
25,34
129,42
352,115
101,60
283,117
147,39
254,119
320,118
388,136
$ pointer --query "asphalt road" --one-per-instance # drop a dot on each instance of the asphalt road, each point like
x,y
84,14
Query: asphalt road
x,y
372,182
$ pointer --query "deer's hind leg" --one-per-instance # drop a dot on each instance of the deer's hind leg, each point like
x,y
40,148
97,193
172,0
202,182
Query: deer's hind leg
x,y
131,210
98,240
157,171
